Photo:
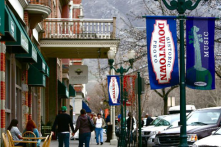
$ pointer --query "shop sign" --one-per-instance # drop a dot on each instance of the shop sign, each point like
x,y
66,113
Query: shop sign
x,y
78,74
34,54
24,42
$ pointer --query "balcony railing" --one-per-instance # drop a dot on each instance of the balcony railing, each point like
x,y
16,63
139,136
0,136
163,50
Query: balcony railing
x,y
40,2
79,28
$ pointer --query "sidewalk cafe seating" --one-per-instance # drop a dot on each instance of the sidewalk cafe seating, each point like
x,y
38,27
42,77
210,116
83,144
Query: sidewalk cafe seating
x,y
5,140
12,142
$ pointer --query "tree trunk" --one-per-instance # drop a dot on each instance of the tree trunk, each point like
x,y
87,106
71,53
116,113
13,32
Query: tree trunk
x,y
165,105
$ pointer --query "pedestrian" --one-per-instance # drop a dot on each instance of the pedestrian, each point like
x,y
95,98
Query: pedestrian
x,y
16,134
83,125
31,126
108,131
130,126
63,121
94,119
99,125
148,119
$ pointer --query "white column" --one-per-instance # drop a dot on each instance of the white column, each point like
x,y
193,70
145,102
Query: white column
x,y
113,141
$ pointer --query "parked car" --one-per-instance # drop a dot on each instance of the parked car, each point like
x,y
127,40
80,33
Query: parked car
x,y
144,130
163,123
200,124
210,141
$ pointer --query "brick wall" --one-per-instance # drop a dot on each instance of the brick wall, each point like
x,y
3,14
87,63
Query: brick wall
x,y
2,85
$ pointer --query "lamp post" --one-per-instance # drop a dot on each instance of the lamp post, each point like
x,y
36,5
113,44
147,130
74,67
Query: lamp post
x,y
181,6
121,70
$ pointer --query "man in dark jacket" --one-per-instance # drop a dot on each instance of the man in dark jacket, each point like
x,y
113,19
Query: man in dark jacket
x,y
130,126
149,119
83,125
63,121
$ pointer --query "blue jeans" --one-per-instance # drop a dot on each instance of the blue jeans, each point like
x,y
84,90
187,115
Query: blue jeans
x,y
99,132
63,138
84,138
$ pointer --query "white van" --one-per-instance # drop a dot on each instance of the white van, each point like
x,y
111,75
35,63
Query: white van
x,y
176,109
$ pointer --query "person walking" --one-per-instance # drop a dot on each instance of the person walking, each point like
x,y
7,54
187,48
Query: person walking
x,y
83,125
31,126
130,126
16,134
148,120
99,125
63,121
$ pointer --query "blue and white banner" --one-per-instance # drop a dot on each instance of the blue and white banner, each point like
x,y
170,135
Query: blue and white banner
x,y
114,89
200,63
162,51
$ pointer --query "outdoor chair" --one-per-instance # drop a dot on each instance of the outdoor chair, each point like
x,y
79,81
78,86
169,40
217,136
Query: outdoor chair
x,y
49,141
29,134
45,142
12,142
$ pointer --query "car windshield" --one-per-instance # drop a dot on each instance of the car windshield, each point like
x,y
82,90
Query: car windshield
x,y
203,117
155,121
218,132
168,120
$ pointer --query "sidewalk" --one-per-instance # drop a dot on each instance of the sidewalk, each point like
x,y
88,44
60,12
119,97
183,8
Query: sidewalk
x,y
74,143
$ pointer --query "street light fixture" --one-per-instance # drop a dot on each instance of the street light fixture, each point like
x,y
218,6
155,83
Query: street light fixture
x,y
121,70
181,6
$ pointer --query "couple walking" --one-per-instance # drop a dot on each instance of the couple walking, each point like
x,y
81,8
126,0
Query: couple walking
x,y
63,121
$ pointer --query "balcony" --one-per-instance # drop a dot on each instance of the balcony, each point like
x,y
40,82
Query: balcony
x,y
78,38
38,10
79,28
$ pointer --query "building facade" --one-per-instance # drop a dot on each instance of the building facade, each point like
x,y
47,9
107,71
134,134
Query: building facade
x,y
40,39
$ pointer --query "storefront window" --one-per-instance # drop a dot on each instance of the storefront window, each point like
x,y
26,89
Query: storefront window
x,y
8,90
18,97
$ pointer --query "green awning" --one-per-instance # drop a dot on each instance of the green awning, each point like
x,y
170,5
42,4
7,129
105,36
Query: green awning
x,y
21,45
10,27
2,17
72,92
35,77
41,64
31,57
62,90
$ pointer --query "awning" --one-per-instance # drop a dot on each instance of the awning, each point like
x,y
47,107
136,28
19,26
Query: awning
x,y
62,90
85,106
10,27
41,64
21,45
35,77
72,92
2,18
31,57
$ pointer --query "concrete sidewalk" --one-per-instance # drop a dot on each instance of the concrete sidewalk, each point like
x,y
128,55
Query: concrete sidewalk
x,y
74,143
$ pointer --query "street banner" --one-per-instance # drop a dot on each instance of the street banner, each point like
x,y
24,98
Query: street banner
x,y
162,51
113,89
129,89
200,63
